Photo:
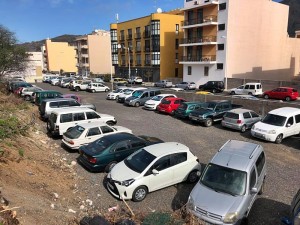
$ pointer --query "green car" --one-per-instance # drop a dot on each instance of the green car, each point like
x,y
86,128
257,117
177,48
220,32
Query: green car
x,y
184,110
39,96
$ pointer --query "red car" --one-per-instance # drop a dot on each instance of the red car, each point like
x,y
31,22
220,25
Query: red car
x,y
18,91
169,105
283,93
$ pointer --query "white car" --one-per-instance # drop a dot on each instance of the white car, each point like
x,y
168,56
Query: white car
x,y
86,133
115,94
26,93
248,89
97,87
135,80
186,85
156,100
152,168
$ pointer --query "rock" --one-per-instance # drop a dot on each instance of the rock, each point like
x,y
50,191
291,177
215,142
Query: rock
x,y
71,211
64,159
90,202
37,132
73,163
81,207
125,222
52,206
55,195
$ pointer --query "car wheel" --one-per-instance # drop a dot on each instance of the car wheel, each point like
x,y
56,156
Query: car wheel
x,y
109,167
250,93
139,194
110,123
137,104
232,93
287,98
77,89
214,91
208,122
278,139
266,96
93,90
27,98
243,129
262,188
106,90
48,126
193,176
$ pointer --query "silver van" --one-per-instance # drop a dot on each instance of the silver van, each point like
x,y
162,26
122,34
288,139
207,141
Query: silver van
x,y
229,184
139,97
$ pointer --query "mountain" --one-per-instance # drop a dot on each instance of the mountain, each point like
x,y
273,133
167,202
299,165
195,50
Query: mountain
x,y
294,16
36,45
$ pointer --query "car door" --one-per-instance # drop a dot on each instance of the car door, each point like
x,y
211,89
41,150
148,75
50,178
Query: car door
x,y
101,87
276,93
121,150
240,90
180,167
247,119
92,134
246,89
255,117
252,184
291,127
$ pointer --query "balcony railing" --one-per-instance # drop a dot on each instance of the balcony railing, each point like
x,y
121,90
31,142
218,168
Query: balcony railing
x,y
202,39
147,62
129,37
147,34
147,49
122,38
205,19
138,62
138,35
196,58
84,46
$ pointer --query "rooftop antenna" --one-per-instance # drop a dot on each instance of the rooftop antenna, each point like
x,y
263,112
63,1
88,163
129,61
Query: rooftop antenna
x,y
117,17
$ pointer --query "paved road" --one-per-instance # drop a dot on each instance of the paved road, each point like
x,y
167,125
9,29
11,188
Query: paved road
x,y
283,160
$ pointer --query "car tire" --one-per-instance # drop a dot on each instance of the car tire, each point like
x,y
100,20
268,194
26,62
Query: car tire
x,y
48,126
232,93
262,188
278,139
110,123
106,90
77,89
193,176
137,104
287,98
250,93
93,90
214,91
117,98
27,98
109,167
243,129
139,194
208,122
266,96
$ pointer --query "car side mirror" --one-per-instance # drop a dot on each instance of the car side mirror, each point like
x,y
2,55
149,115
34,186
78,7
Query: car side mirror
x,y
254,190
155,172
288,125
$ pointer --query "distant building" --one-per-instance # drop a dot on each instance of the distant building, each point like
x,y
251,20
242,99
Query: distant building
x,y
34,64
93,53
58,57
237,38
151,44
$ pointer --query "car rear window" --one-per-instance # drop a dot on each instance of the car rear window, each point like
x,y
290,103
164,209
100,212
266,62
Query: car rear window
x,y
74,132
165,101
232,115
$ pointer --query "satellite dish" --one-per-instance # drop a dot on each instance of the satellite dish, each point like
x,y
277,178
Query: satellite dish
x,y
159,10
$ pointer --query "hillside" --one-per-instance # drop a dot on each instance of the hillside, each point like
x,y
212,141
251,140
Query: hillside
x,y
294,16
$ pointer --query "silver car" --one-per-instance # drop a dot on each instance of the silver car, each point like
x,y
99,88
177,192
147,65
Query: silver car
x,y
186,85
240,119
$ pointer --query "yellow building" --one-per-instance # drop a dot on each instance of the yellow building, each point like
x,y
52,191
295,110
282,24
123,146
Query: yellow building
x,y
153,43
59,56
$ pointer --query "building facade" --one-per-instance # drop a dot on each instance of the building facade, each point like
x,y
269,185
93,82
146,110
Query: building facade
x,y
148,46
237,39
93,53
59,57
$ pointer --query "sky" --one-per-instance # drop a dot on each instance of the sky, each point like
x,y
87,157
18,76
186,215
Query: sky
x,y
34,20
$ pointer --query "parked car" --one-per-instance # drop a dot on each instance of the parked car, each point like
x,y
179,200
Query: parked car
x,y
62,119
229,184
56,81
127,93
152,168
248,89
294,217
97,87
240,119
278,124
169,105
15,85
212,86
183,111
106,152
186,85
48,77
213,112
27,92
119,80
39,96
135,80
74,96
139,97
63,82
115,94
79,85
98,80
163,84
156,100
282,93
88,132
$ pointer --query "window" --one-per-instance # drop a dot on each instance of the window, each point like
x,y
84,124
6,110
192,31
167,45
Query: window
x,y
176,72
220,47
122,36
178,158
155,27
252,179
152,93
106,129
290,121
246,115
297,117
121,146
155,58
147,45
189,70
222,6
155,44
79,116
252,87
176,43
138,46
64,104
74,103
206,70
93,131
254,115
137,144
53,104
129,33
138,32
147,31
64,118
92,115
221,26
260,163
113,35
177,27
219,66
162,163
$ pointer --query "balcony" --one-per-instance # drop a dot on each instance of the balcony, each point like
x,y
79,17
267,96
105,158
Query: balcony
x,y
204,40
129,37
147,49
147,34
204,59
138,35
123,63
84,46
199,4
122,38
138,62
84,55
147,62
138,50
200,22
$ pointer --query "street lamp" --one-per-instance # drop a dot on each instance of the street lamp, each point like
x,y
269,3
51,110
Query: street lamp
x,y
224,37
128,50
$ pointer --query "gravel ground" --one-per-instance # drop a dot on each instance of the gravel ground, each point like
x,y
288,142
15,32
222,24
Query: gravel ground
x,y
283,160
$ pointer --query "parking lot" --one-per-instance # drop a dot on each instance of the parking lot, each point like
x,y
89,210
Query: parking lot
x,y
283,160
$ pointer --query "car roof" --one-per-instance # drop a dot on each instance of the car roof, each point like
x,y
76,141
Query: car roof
x,y
163,95
251,83
285,111
240,110
173,98
72,110
88,125
51,91
165,148
218,101
119,137
58,99
236,154
193,103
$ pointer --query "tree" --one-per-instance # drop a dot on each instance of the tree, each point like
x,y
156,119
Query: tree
x,y
12,56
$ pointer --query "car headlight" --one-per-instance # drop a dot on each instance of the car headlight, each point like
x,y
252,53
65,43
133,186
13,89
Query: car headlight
x,y
231,217
127,182
190,204
272,132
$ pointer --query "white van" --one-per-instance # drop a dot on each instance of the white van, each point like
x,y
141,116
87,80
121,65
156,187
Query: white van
x,y
248,89
62,119
128,93
278,124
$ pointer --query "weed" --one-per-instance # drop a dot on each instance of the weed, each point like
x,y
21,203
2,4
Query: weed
x,y
21,152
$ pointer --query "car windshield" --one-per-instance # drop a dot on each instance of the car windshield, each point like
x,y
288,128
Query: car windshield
x,y
224,179
157,98
139,160
137,93
98,145
274,120
127,91
117,91
74,132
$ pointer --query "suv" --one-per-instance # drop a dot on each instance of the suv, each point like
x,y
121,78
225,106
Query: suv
x,y
141,96
248,89
212,86
229,184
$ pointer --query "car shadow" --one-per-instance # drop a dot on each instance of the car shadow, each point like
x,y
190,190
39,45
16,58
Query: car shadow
x,y
63,146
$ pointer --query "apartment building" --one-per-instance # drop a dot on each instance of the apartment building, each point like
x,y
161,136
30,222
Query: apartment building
x,y
237,39
59,56
93,53
148,46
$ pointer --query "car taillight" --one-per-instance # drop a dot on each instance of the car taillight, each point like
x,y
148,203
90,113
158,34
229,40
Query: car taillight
x,y
239,121
92,160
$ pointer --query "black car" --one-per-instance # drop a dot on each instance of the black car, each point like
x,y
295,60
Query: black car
x,y
212,86
106,152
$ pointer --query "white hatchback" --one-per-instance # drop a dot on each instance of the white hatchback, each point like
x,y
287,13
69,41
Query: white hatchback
x,y
84,134
156,100
152,168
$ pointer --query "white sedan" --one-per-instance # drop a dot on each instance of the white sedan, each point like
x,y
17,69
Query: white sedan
x,y
115,94
152,168
86,133
156,100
